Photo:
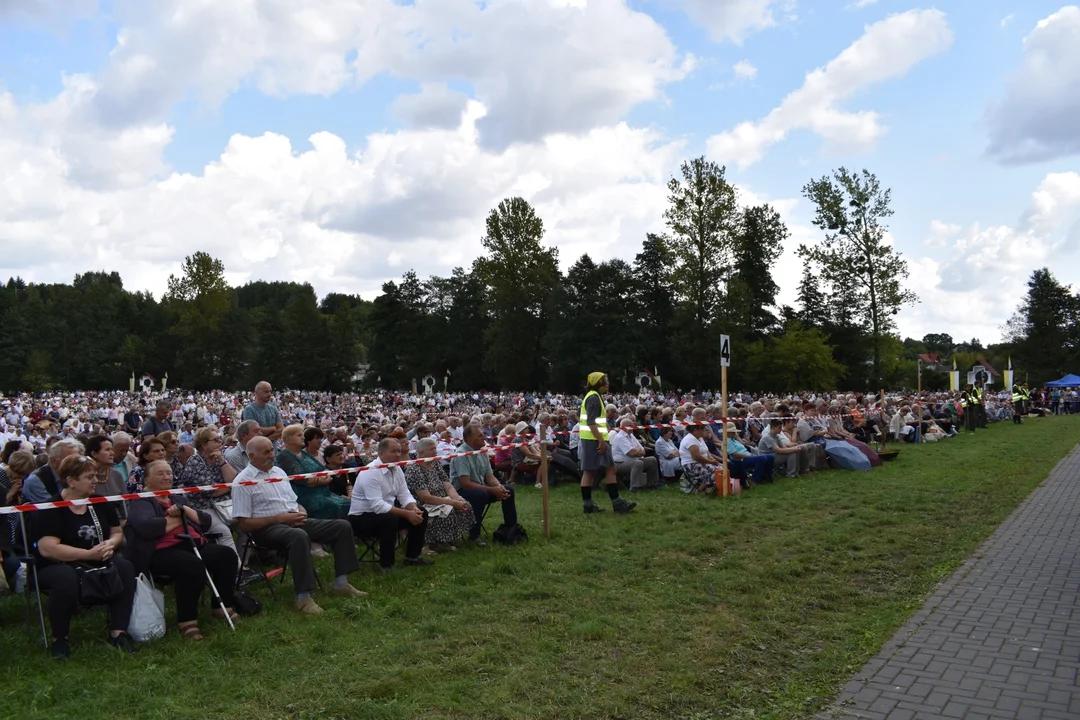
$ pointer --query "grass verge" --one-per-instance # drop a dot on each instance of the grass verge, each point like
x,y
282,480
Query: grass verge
x,y
696,608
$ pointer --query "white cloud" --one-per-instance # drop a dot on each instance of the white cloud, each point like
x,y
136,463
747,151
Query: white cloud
x,y
435,106
940,234
1007,20
732,19
1036,119
859,4
609,59
744,70
46,11
887,49
983,278
343,220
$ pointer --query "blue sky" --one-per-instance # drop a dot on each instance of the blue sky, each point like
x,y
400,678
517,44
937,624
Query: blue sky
x,y
137,133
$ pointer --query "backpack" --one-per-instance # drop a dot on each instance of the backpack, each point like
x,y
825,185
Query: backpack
x,y
510,535
245,603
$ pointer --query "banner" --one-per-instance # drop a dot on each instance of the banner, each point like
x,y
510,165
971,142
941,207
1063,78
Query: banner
x,y
954,381
1009,380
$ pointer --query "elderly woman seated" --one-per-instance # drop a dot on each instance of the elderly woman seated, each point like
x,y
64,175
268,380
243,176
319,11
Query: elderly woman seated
x,y
209,467
154,545
80,538
449,515
698,463
313,493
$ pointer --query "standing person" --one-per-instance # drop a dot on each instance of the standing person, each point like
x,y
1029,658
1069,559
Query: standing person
x,y
1018,404
593,449
159,423
264,412
968,402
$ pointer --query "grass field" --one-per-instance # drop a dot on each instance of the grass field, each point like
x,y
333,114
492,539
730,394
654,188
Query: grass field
x,y
759,606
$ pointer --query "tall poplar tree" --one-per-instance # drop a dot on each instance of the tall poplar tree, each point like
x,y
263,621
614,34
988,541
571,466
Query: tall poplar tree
x,y
851,208
519,275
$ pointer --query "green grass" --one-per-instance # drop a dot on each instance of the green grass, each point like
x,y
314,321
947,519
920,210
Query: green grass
x,y
695,607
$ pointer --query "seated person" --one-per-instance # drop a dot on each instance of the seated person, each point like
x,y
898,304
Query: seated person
x,y
630,459
209,467
787,455
757,467
313,493
334,456
472,477
86,536
270,513
667,453
698,463
449,516
381,505
153,546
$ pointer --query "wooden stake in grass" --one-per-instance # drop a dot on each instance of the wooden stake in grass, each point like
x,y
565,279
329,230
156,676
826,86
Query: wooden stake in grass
x,y
546,507
725,358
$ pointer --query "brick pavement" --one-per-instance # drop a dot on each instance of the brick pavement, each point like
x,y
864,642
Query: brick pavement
x,y
1001,637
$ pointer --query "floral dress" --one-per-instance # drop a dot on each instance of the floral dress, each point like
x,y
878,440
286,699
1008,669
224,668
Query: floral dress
x,y
441,528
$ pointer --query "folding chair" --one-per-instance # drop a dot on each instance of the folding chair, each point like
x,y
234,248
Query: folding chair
x,y
483,530
370,553
250,554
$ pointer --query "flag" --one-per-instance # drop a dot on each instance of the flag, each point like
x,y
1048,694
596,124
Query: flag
x,y
1010,378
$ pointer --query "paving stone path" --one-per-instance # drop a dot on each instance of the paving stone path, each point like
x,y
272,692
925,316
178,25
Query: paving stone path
x,y
1001,637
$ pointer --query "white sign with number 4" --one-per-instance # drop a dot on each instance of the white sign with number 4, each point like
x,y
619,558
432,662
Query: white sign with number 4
x,y
725,351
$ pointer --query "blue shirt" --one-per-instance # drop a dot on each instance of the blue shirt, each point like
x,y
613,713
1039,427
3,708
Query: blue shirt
x,y
266,416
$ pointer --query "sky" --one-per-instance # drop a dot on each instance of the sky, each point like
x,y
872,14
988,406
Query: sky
x,y
344,142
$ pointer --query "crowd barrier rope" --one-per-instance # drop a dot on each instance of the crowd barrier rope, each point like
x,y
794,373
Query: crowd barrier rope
x,y
488,450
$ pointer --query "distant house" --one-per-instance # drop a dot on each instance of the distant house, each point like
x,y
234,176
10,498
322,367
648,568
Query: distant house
x,y
989,368
932,361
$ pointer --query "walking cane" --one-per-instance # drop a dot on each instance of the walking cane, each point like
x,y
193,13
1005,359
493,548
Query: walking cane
x,y
213,588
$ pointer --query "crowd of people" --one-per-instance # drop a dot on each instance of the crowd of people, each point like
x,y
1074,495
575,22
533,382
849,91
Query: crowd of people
x,y
468,450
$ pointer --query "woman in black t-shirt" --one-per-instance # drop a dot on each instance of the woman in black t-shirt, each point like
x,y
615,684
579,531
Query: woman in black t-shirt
x,y
81,534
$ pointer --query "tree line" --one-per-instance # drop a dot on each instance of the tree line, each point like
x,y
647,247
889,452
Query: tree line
x,y
514,320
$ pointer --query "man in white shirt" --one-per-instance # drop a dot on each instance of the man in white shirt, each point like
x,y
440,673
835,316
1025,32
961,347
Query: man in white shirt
x,y
269,512
373,512
630,459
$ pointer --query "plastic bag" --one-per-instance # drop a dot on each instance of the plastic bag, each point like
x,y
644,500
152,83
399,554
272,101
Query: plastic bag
x,y
147,612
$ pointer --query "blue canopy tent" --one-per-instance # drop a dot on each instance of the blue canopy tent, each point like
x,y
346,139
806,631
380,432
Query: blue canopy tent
x,y
1067,381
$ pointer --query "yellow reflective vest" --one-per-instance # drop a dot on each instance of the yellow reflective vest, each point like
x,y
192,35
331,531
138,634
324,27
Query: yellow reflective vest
x,y
601,420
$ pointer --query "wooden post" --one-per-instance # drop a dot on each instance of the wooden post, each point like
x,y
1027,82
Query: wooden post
x,y
544,485
726,490
884,428
918,409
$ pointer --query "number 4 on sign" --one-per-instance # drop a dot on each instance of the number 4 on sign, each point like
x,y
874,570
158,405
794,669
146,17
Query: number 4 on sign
x,y
725,351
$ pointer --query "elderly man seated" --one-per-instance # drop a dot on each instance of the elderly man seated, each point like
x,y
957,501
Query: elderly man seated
x,y
630,460
269,512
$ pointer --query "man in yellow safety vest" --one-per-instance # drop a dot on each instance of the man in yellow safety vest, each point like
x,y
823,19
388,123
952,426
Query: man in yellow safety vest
x,y
593,449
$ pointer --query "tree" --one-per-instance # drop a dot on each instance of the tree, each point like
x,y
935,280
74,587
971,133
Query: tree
x,y
1046,328
757,246
653,303
813,306
199,297
519,275
854,256
592,327
703,220
941,343
799,359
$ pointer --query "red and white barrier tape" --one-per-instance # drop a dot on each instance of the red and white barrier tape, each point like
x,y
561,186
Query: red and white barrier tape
x,y
96,500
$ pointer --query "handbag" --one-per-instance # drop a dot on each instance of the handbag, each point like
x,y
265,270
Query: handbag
x,y
98,584
147,611
223,507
